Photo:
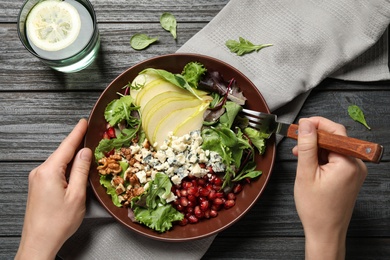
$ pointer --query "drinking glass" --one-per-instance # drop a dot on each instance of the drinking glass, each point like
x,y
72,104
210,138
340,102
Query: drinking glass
x,y
75,57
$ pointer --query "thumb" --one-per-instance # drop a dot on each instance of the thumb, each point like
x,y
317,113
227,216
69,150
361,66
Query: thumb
x,y
307,147
80,169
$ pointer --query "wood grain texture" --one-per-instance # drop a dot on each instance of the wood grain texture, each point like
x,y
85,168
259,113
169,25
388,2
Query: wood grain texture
x,y
39,107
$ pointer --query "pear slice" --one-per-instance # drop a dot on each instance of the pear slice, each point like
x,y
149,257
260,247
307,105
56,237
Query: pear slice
x,y
191,123
154,88
159,100
170,122
140,81
181,122
151,120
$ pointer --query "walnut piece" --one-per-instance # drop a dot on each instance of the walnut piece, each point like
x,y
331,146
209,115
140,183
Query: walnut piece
x,y
110,165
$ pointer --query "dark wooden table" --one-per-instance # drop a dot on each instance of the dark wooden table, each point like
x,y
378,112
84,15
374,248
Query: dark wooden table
x,y
39,107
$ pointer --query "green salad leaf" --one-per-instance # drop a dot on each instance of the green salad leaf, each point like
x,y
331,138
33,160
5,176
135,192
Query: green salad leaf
x,y
175,79
140,41
157,213
159,219
168,23
193,72
357,114
244,46
257,138
105,181
120,109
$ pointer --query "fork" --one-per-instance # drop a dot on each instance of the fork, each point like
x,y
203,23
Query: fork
x,y
357,148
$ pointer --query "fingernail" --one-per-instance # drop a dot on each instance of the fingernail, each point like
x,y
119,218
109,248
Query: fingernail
x,y
85,155
305,127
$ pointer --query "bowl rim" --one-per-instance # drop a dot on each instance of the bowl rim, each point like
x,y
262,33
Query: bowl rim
x,y
271,148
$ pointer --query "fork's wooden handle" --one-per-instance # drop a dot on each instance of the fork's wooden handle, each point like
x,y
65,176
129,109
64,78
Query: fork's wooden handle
x,y
357,148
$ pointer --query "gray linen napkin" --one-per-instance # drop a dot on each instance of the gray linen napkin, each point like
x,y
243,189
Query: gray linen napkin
x,y
312,40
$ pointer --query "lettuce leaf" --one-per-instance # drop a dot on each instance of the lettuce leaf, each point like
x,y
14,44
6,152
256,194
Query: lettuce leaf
x,y
156,213
159,219
257,138
105,181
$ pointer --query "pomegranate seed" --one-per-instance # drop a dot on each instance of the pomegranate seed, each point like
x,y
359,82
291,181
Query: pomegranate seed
x,y
218,201
187,185
202,165
201,199
204,192
229,203
207,214
193,219
219,194
193,191
179,208
198,212
216,207
212,195
209,186
191,198
217,181
105,136
183,193
210,169
111,132
231,196
201,182
237,188
204,205
190,209
184,201
183,222
191,203
213,213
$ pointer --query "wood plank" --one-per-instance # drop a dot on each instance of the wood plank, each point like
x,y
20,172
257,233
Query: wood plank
x,y
291,248
135,10
260,248
115,57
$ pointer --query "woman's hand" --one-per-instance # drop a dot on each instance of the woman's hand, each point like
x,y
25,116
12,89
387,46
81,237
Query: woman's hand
x,y
326,187
55,207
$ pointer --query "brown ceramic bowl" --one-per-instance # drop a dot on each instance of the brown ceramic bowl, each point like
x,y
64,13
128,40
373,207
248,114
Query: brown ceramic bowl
x,y
245,199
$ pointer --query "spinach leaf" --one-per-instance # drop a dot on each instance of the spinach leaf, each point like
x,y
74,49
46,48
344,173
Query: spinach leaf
x,y
244,46
140,41
357,114
168,22
249,171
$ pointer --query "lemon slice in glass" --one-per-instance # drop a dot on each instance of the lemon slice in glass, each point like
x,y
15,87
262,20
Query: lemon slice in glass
x,y
53,25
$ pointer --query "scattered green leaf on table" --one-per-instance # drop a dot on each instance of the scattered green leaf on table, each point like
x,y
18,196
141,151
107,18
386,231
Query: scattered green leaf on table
x,y
244,46
140,41
168,22
357,114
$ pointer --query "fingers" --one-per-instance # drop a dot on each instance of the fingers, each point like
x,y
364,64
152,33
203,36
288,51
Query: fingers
x,y
324,124
65,152
80,169
327,125
307,148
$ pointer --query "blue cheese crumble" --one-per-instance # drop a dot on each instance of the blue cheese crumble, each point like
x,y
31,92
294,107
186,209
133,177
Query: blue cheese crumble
x,y
178,158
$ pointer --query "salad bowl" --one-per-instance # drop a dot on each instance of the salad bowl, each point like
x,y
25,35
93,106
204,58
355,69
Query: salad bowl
x,y
244,200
